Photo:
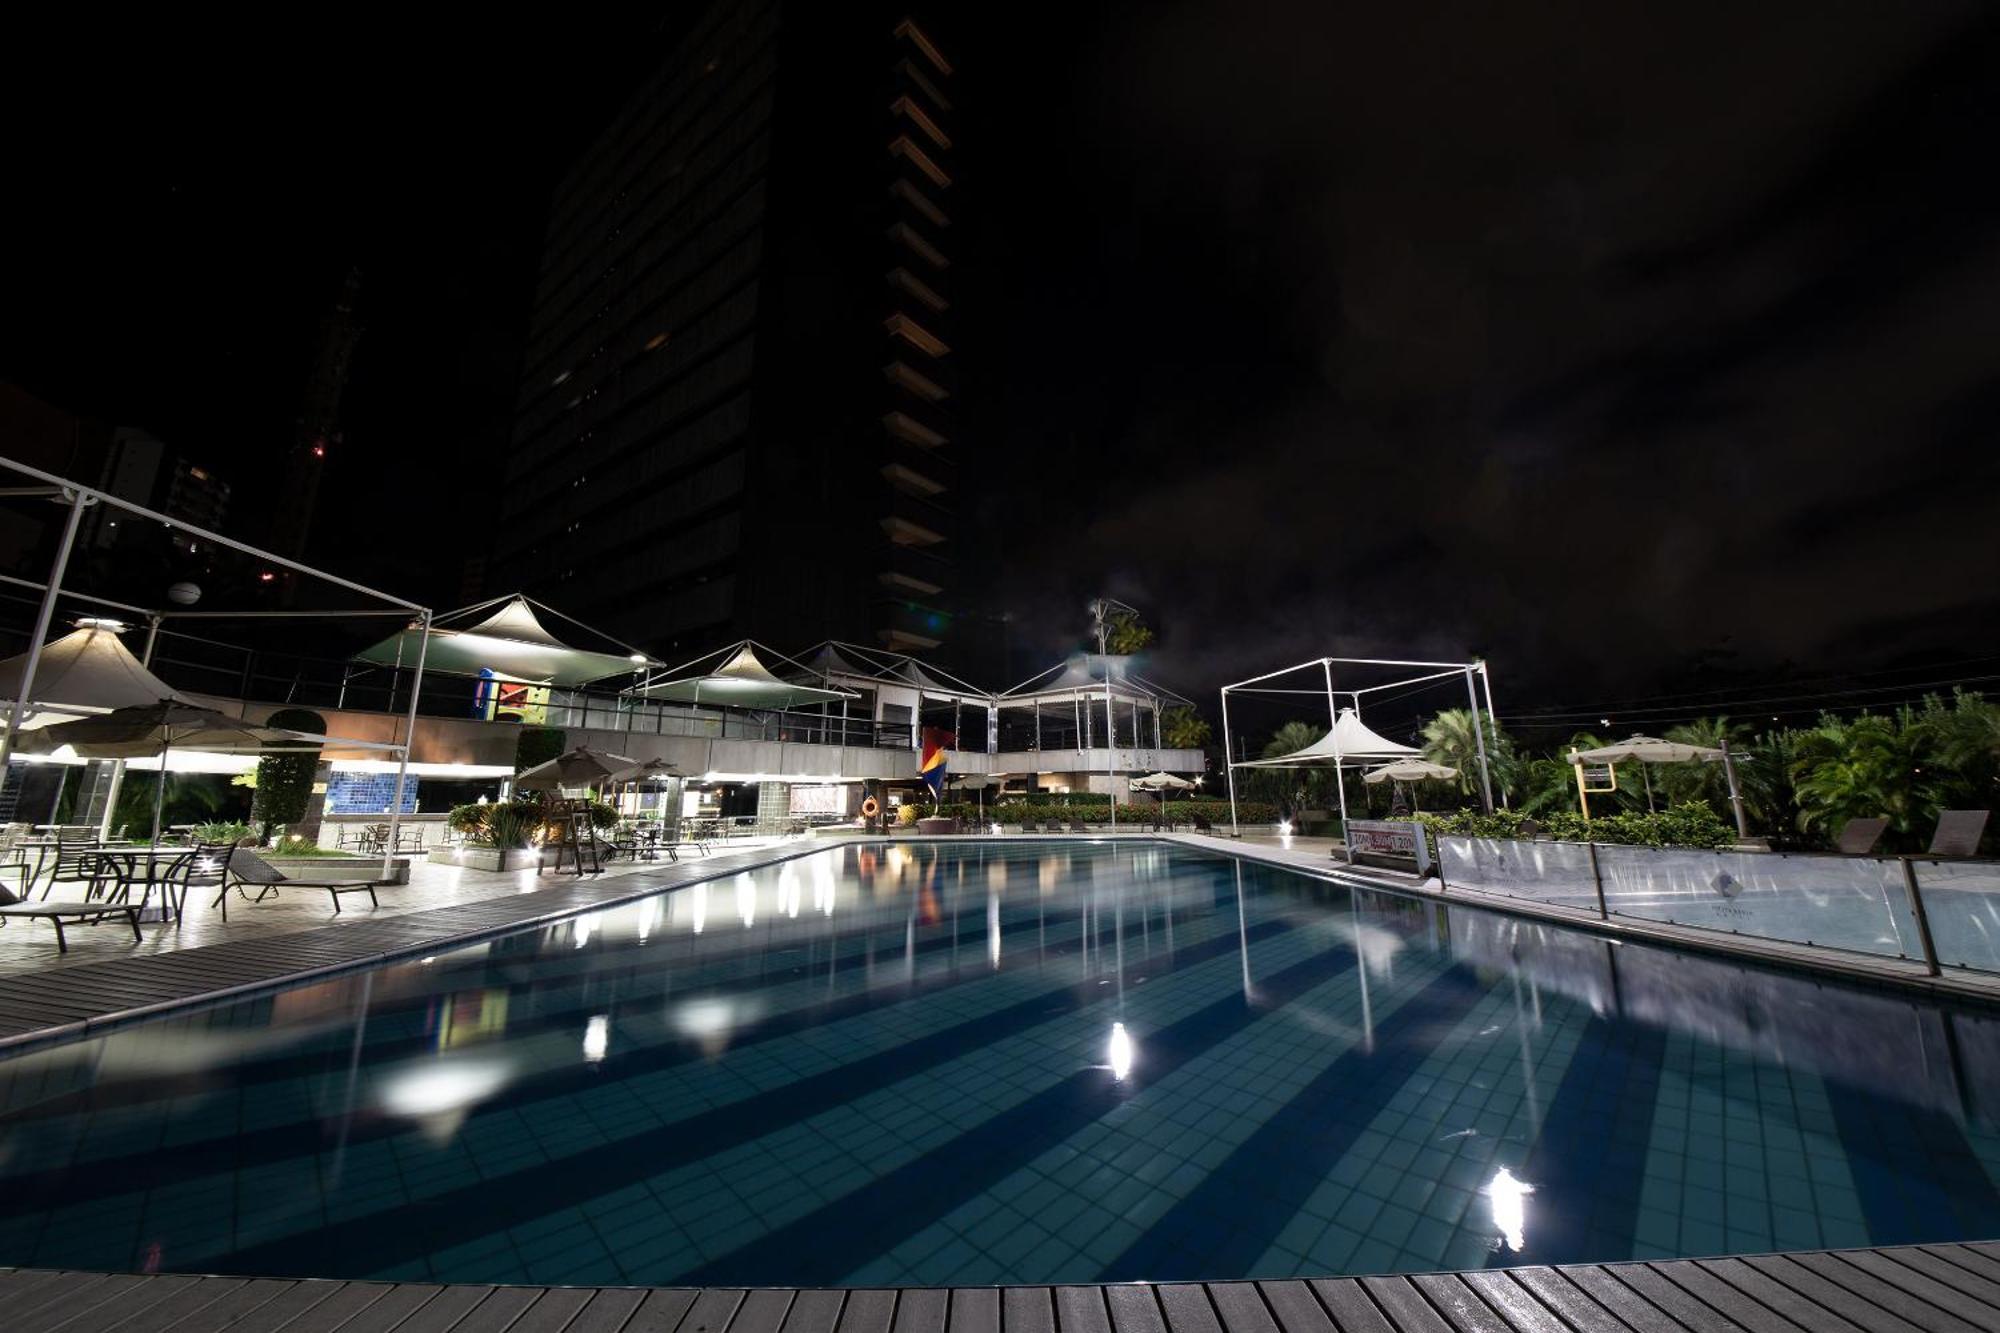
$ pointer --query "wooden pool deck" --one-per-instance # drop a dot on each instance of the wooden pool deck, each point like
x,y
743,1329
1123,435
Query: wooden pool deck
x,y
1910,1289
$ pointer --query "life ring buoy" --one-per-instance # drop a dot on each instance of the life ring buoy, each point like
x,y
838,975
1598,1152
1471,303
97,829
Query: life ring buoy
x,y
870,807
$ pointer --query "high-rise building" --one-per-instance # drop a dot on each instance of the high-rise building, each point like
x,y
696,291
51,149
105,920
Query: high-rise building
x,y
736,414
141,468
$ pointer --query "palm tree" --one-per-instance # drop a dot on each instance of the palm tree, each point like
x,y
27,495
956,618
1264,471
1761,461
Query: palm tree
x,y
1289,786
1872,765
1450,739
1184,729
1708,782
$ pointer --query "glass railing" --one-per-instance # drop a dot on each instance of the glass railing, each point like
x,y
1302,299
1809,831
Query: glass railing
x,y
1943,913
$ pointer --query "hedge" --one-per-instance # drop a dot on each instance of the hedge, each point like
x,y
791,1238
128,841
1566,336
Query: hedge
x,y
1014,811
1689,824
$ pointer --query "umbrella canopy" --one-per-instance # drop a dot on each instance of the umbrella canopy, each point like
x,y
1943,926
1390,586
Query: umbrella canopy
x,y
1161,782
1409,770
653,770
512,643
88,671
155,728
1647,750
581,767
741,681
1349,742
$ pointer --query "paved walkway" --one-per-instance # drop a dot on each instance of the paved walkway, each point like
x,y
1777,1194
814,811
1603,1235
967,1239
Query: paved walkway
x,y
1910,1289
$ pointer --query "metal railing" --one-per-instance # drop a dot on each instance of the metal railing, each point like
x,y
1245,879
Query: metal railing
x,y
1942,913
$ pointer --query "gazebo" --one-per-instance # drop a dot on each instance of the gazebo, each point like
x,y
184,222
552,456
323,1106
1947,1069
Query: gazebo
x,y
1348,742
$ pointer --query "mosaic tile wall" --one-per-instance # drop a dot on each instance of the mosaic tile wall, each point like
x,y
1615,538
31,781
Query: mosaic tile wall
x,y
367,793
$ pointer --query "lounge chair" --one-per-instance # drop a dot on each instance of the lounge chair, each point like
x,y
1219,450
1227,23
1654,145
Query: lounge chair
x,y
1201,824
246,867
1958,832
1077,826
55,913
1857,837
1052,826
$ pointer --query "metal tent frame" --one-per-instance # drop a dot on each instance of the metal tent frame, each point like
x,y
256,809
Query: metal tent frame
x,y
79,498
1477,682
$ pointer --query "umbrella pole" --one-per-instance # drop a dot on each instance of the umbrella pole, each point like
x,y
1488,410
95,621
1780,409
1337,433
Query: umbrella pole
x,y
1735,795
160,794
1647,778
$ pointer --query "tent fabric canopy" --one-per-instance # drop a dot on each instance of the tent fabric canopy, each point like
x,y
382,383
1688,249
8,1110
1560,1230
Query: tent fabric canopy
x,y
1350,741
512,643
1161,782
581,767
87,671
1409,770
742,681
1647,750
1086,673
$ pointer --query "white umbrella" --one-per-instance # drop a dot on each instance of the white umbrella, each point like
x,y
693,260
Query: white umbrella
x,y
581,767
1653,750
1409,770
154,729
1161,782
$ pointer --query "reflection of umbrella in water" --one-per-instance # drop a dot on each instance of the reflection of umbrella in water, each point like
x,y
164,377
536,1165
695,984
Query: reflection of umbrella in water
x,y
153,729
581,767
1409,770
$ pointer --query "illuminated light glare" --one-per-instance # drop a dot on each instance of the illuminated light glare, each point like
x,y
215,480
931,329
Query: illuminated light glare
x,y
584,926
704,1019
746,897
1508,1197
994,828
596,1037
993,929
788,888
649,915
1284,828
700,907
1121,1052
427,961
823,885
438,1089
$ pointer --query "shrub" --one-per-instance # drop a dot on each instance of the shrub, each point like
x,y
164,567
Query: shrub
x,y
284,780
907,814
1689,824
221,830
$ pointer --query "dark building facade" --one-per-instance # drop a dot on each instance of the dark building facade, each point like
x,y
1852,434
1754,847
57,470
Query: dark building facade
x,y
737,405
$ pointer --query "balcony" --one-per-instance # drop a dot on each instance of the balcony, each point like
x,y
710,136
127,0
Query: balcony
x,y
904,426
902,281
906,480
923,385
902,327
907,238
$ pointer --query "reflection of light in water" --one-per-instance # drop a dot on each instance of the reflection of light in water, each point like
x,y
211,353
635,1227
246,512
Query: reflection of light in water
x,y
993,928
699,907
1048,871
1378,945
1121,1052
442,1086
584,925
746,897
996,875
823,884
899,861
649,915
596,1037
1510,1208
788,888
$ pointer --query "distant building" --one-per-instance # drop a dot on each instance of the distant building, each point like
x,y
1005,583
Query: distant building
x,y
736,414
142,469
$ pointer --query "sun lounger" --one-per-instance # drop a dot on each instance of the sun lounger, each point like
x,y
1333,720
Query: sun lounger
x,y
56,913
1958,832
1076,826
1857,837
247,868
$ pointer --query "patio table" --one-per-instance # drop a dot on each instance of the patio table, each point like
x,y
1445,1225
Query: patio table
x,y
141,867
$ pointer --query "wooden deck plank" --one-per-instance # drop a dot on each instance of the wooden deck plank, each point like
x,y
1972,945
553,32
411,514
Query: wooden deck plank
x,y
1777,1296
1853,1308
1515,1304
974,1310
337,1310
54,1308
1188,1308
871,1310
233,1307
1079,1310
287,1306
1649,1304
762,1311
1026,1310
552,1311
18,1284
1405,1305
1295,1307
712,1310
921,1311
1909,1280
1971,1260
177,1307
132,1300
391,1308
661,1311
1241,1308
1134,1309
1953,1276
1459,1304
1576,1307
815,1311
494,1312
1348,1302
444,1310
1716,1294
1899,1300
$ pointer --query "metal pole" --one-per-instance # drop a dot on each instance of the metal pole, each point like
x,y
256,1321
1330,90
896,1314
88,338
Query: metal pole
x,y
1339,779
409,739
1229,766
1923,917
78,503
118,765
1735,796
1646,779
1479,739
1110,747
1597,878
1486,687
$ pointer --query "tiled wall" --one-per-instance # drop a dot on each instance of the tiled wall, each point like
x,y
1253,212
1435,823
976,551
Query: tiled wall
x,y
367,793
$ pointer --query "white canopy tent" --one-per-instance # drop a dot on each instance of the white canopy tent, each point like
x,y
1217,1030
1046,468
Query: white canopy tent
x,y
1348,742
509,640
736,677
86,671
75,500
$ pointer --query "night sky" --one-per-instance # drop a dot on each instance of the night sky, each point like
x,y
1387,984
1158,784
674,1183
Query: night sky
x,y
1639,352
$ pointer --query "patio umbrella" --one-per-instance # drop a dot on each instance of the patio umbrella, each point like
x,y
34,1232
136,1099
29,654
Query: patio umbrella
x,y
1160,784
653,770
1409,770
978,782
1653,750
143,730
581,767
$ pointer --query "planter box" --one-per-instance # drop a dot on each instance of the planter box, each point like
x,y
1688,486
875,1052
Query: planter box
x,y
343,867
487,858
933,827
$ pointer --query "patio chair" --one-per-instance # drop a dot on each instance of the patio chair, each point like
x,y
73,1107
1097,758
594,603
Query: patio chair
x,y
204,866
246,868
1201,824
13,906
1857,837
1077,826
1958,832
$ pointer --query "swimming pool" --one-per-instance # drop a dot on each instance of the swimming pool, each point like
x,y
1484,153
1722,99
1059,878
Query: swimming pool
x,y
1005,1061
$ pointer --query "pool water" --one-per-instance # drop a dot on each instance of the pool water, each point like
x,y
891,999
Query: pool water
x,y
1006,1061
